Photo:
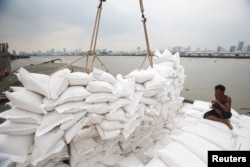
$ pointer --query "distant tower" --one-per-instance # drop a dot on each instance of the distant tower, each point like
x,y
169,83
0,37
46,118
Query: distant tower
x,y
232,48
248,48
219,48
240,46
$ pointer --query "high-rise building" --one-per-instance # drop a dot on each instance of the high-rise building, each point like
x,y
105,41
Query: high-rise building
x,y
248,48
240,46
218,48
14,52
232,48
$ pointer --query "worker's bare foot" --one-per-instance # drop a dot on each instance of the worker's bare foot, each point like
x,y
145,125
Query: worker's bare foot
x,y
228,123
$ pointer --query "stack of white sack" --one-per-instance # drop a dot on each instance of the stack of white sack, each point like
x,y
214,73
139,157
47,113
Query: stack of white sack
x,y
192,138
91,119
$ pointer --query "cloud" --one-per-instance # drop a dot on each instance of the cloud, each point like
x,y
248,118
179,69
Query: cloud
x,y
39,25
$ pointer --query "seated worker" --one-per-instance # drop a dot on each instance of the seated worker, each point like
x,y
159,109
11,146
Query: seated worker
x,y
221,107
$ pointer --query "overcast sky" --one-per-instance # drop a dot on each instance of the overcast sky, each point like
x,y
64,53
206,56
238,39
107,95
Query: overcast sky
x,y
31,25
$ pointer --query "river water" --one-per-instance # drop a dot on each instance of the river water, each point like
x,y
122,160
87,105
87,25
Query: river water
x,y
202,74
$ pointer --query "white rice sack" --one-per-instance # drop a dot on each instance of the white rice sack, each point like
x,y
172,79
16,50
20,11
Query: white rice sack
x,y
100,98
86,132
58,82
142,75
223,138
125,87
177,155
12,128
77,116
165,71
130,128
46,142
17,88
26,162
99,108
194,113
6,162
95,118
140,152
100,75
169,64
79,78
245,123
72,131
165,94
54,157
149,100
150,93
141,110
131,160
111,125
165,111
34,82
73,93
139,87
52,120
156,108
112,160
185,108
107,134
15,148
131,119
166,56
242,143
121,102
39,157
236,114
176,58
49,104
244,132
54,163
99,86
84,146
100,165
215,124
196,144
201,106
27,100
131,108
72,107
157,83
156,162
21,116
117,115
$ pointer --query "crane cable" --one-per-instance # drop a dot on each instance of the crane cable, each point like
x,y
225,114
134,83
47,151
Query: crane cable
x,y
149,53
92,45
95,37
94,40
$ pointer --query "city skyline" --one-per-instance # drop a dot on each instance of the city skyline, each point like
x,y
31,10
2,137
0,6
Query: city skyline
x,y
138,50
239,47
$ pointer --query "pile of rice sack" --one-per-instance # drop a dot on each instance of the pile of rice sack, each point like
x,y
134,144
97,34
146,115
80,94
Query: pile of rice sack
x,y
79,119
188,143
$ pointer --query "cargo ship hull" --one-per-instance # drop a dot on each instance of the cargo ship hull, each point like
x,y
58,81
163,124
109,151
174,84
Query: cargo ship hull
x,y
5,66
